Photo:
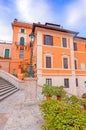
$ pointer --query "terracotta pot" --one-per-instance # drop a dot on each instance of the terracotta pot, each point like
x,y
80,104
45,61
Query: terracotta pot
x,y
84,107
59,98
20,76
48,97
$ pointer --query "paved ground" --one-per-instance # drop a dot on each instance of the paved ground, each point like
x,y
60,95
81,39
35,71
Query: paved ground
x,y
17,114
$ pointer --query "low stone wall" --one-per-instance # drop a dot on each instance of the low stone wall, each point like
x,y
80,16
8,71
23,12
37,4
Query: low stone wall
x,y
12,79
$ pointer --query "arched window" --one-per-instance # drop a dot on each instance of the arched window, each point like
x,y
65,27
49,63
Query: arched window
x,y
22,41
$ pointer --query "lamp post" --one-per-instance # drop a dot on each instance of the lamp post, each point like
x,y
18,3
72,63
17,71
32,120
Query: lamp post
x,y
30,71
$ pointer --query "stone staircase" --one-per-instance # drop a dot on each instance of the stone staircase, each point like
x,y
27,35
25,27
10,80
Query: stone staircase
x,y
6,89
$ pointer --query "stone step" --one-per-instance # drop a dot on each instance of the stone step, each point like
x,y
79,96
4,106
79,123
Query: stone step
x,y
1,83
7,91
8,94
6,88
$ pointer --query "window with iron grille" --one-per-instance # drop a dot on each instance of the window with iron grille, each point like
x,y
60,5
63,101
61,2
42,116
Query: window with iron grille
x,y
48,40
64,42
65,63
48,62
49,81
66,83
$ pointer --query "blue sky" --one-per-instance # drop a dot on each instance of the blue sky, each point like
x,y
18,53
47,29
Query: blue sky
x,y
71,14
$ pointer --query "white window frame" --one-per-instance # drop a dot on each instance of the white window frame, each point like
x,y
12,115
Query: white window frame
x,y
9,52
82,66
74,63
50,55
65,56
62,42
24,30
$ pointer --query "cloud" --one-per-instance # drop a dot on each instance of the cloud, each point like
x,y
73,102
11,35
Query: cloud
x,y
35,11
76,14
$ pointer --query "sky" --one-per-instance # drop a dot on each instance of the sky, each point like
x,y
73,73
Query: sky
x,y
71,14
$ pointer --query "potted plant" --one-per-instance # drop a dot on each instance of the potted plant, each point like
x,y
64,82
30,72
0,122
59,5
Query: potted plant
x,y
59,92
84,95
47,91
83,103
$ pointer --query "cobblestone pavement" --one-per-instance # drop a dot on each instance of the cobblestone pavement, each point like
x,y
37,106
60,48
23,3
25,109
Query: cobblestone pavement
x,y
21,115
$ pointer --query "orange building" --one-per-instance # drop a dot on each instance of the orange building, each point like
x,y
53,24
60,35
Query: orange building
x,y
5,55
59,55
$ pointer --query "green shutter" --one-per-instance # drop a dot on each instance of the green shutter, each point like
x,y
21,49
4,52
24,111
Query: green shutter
x,y
7,53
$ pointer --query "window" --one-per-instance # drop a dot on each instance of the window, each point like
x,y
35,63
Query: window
x,y
48,62
75,64
75,46
66,83
64,42
22,30
76,82
49,82
7,53
48,40
21,53
22,41
65,63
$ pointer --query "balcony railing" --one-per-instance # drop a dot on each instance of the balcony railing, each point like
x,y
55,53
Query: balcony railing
x,y
18,45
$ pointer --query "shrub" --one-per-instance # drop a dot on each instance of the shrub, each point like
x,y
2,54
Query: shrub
x,y
83,102
73,100
61,116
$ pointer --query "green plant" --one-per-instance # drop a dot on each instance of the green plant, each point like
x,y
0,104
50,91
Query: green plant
x,y
25,75
73,100
61,116
59,91
47,90
84,95
83,102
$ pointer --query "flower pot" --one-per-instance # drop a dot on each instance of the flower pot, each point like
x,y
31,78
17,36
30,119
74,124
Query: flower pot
x,y
84,107
20,76
59,98
48,98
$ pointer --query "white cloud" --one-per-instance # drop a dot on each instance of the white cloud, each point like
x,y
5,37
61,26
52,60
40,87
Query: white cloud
x,y
34,11
76,14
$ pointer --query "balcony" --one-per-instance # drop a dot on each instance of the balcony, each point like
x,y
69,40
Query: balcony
x,y
22,46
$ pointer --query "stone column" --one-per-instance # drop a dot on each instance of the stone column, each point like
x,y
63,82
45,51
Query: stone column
x,y
30,90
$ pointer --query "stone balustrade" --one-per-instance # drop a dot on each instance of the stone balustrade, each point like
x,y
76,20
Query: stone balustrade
x,y
12,79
